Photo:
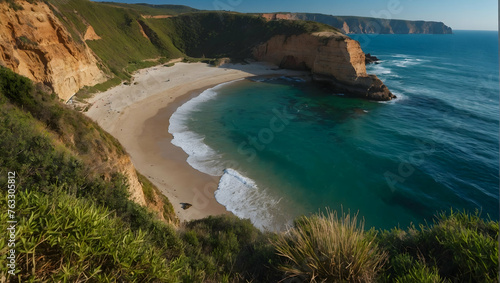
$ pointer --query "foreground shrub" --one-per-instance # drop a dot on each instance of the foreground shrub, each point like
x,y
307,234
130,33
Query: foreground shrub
x,y
410,270
330,249
228,249
61,238
461,246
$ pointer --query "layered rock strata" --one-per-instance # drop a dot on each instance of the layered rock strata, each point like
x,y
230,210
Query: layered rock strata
x,y
331,57
35,44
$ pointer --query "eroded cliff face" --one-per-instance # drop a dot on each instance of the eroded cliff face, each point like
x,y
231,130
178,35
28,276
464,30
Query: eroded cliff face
x,y
331,57
35,44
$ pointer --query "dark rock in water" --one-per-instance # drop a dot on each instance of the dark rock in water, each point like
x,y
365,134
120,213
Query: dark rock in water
x,y
369,87
369,59
185,205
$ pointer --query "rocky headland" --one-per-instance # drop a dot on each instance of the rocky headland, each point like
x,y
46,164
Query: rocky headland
x,y
331,57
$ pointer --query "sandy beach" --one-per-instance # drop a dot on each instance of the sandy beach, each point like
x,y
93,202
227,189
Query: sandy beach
x,y
138,116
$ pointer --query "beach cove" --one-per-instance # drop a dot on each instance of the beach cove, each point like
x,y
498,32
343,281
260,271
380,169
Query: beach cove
x,y
137,114
337,152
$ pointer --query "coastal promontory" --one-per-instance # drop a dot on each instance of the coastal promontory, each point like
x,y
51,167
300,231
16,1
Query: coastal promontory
x,y
331,57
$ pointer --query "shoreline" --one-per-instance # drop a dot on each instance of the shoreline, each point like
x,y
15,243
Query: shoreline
x,y
138,116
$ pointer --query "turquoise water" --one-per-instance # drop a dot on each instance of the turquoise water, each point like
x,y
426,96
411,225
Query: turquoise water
x,y
285,148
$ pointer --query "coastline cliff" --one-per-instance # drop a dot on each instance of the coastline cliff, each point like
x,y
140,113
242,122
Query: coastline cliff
x,y
35,44
37,41
366,25
331,57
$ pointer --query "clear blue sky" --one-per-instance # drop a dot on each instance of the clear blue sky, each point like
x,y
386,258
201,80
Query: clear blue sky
x,y
458,14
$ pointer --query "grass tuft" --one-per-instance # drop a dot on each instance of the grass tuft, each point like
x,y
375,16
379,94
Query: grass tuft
x,y
327,248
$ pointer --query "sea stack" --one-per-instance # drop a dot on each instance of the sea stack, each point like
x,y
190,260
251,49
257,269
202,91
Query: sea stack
x,y
332,57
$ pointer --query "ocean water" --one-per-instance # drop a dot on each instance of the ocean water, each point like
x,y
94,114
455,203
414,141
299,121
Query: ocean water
x,y
285,148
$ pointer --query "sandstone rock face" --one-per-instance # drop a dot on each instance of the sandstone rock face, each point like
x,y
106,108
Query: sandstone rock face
x,y
90,34
331,57
35,44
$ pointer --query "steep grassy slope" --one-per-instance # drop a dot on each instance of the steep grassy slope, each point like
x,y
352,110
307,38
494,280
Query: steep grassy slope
x,y
50,145
128,38
154,10
216,34
122,47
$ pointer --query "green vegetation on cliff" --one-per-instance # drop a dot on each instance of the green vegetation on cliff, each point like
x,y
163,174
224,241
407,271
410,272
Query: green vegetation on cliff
x,y
130,38
75,221
219,34
154,10
360,25
122,43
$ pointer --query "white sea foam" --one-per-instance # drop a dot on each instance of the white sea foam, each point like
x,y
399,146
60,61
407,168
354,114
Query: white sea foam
x,y
400,97
201,156
379,70
245,199
237,193
401,56
409,61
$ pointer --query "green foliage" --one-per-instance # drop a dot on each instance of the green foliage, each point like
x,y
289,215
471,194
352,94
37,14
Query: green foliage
x,y
53,149
461,246
87,91
155,197
227,249
13,5
222,34
26,147
153,10
23,40
330,249
147,188
63,238
17,88
410,270
47,161
121,40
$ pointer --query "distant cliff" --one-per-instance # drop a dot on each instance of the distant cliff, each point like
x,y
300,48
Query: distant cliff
x,y
332,58
357,25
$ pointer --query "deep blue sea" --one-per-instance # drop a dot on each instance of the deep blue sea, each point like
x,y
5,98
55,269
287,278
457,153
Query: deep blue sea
x,y
286,148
